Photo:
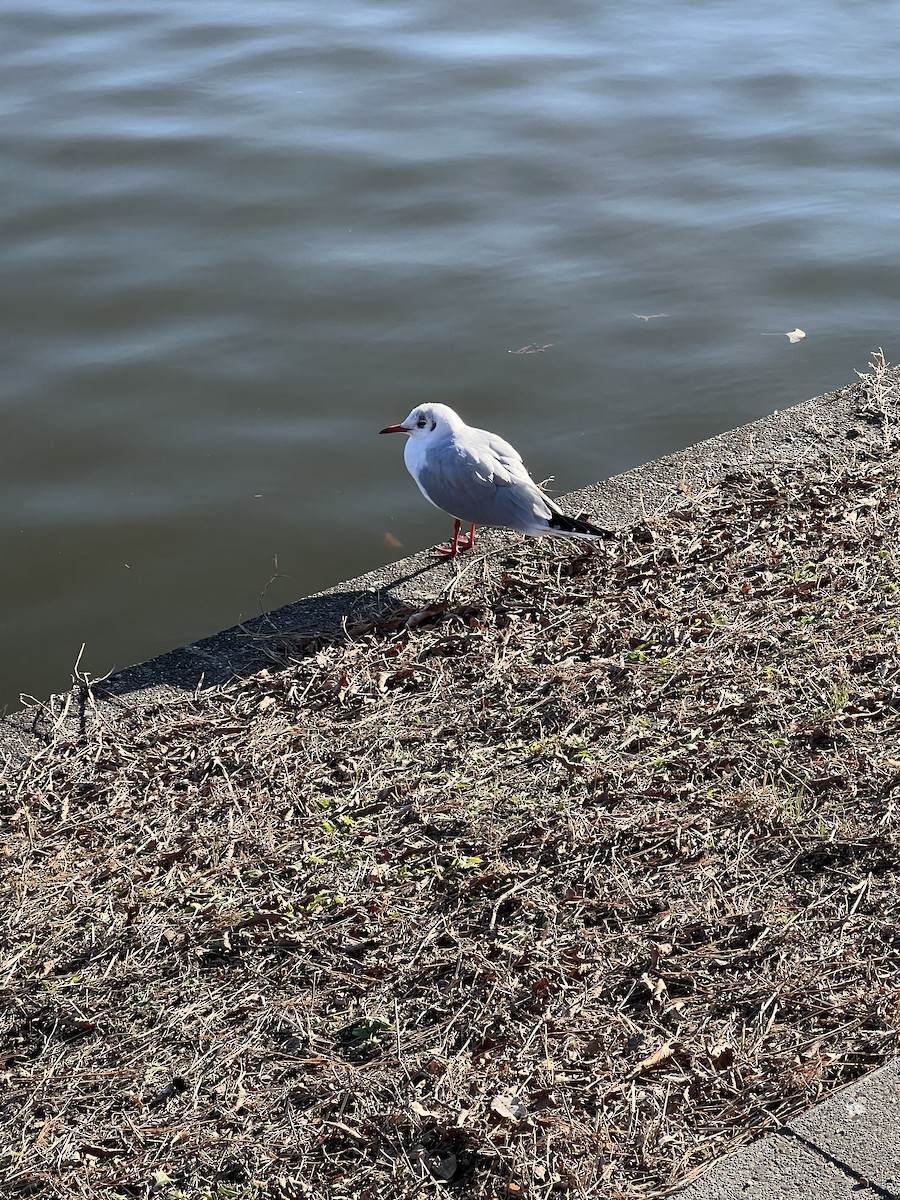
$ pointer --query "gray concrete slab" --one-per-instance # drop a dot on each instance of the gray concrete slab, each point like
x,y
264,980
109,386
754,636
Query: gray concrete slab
x,y
859,1127
777,1168
845,1148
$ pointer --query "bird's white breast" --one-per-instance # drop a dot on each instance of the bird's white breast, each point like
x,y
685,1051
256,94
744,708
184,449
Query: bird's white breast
x,y
414,454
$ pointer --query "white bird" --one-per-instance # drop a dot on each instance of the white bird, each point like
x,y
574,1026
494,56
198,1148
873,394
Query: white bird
x,y
478,478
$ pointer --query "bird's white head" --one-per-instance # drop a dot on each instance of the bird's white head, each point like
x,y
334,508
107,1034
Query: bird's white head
x,y
428,423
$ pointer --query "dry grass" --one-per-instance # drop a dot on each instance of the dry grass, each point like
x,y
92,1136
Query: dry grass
x,y
566,885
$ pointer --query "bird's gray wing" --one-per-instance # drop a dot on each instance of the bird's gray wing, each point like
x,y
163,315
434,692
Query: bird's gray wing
x,y
484,482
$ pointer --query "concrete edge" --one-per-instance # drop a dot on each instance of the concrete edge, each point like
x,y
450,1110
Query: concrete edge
x,y
845,1148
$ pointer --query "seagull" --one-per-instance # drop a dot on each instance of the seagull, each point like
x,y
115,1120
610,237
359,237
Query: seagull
x,y
479,479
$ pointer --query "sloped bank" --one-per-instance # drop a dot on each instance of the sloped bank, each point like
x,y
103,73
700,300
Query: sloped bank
x,y
564,874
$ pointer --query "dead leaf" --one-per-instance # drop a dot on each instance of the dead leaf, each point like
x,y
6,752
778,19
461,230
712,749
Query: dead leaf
x,y
442,1166
428,613
722,1056
509,1107
421,1111
392,541
102,1151
656,987
795,335
657,1058
439,1161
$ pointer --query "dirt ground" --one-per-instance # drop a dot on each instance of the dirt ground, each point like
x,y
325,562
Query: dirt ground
x,y
563,885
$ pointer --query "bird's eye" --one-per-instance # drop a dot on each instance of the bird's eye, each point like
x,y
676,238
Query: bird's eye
x,y
422,423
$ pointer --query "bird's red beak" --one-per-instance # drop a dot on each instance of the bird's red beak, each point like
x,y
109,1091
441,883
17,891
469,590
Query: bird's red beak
x,y
394,429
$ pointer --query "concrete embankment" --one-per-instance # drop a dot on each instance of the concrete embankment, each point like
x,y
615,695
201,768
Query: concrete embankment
x,y
831,425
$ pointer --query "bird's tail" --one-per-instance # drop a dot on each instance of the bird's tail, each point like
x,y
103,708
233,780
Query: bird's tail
x,y
564,526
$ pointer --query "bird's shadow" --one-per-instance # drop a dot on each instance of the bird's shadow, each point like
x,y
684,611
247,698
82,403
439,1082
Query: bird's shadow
x,y
271,639
243,649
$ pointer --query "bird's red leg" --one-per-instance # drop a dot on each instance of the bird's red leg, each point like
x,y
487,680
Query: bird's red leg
x,y
456,545
469,540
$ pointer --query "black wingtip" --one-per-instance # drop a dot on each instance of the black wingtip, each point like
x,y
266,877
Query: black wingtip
x,y
574,526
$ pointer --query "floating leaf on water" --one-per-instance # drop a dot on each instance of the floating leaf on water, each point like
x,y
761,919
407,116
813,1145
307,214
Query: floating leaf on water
x,y
795,335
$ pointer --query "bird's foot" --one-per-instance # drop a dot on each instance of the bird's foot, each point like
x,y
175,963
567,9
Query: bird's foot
x,y
453,549
457,544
